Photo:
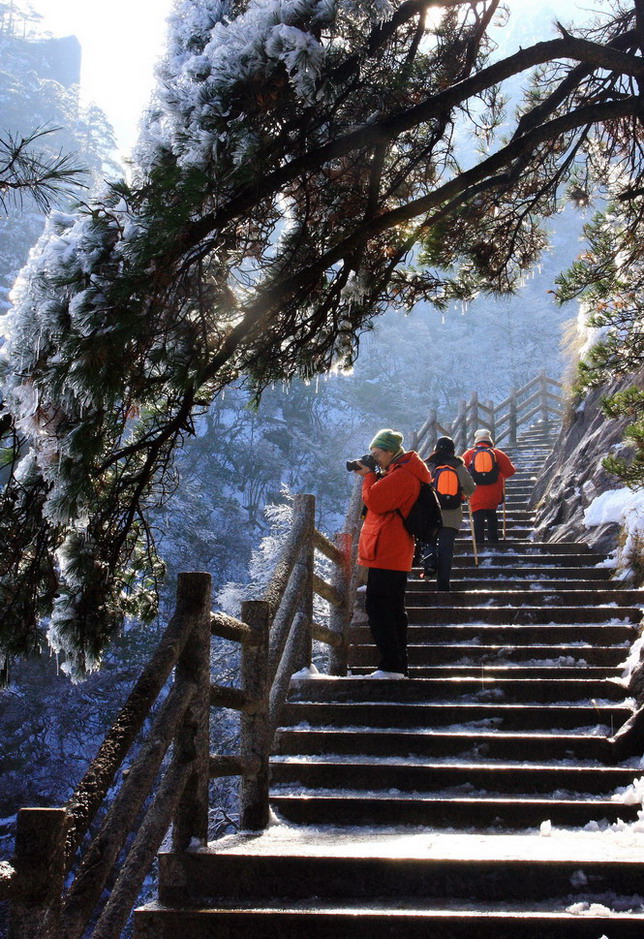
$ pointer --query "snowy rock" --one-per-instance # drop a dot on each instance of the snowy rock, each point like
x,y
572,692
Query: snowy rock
x,y
574,477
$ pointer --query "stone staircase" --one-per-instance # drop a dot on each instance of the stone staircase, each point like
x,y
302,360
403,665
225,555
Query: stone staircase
x,y
479,797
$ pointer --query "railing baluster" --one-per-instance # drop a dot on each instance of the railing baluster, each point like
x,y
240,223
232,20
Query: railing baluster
x,y
513,418
254,733
193,738
543,391
491,425
40,865
459,428
340,617
472,417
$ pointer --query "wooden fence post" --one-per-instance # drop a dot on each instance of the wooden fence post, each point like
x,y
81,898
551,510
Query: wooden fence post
x,y
340,617
543,398
491,425
473,416
432,430
512,418
193,736
305,504
254,733
459,427
40,864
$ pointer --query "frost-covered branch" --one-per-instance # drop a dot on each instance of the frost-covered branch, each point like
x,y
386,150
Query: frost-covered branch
x,y
298,156
26,171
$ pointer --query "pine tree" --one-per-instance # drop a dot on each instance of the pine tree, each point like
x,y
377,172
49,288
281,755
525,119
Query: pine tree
x,y
301,171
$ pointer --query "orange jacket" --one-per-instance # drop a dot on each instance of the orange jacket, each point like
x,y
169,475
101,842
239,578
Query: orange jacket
x,y
384,540
490,496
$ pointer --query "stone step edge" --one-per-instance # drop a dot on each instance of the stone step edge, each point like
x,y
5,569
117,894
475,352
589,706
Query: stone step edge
x,y
510,800
486,912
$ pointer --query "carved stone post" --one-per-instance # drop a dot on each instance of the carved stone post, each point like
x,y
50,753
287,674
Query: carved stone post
x,y
193,736
255,734
40,864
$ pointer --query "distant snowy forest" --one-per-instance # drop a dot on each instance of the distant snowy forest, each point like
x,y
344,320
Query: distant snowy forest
x,y
242,458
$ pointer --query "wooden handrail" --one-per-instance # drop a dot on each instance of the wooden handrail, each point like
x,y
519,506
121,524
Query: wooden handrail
x,y
534,399
49,841
91,791
326,547
104,850
227,697
228,627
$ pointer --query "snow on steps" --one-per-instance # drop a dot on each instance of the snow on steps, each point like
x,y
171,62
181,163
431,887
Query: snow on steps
x,y
480,797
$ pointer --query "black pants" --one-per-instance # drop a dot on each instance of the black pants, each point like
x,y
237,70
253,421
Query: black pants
x,y
483,517
445,556
385,606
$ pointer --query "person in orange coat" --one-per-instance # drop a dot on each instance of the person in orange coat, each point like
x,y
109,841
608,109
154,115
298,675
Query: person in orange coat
x,y
386,548
487,496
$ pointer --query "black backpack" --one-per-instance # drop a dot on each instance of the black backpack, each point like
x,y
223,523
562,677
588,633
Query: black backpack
x,y
425,519
447,486
487,471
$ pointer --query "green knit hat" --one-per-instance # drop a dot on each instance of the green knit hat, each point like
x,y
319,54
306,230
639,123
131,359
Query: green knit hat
x,y
388,439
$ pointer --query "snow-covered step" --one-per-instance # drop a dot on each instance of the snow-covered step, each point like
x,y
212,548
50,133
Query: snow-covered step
x,y
534,571
290,863
446,688
464,742
416,774
475,813
582,654
612,615
518,660
520,555
467,633
533,583
535,548
600,716
424,665
277,919
503,595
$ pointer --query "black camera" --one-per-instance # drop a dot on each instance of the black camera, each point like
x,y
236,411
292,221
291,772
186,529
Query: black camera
x,y
366,460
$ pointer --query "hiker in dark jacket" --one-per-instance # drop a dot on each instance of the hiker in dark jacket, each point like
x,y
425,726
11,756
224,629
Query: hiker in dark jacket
x,y
444,455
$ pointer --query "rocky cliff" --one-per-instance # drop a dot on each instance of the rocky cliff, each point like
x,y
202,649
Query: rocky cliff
x,y
574,475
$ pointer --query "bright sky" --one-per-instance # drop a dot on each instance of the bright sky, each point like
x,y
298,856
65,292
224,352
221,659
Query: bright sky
x,y
121,42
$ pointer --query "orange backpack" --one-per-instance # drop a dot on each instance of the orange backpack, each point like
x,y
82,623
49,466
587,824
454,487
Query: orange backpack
x,y
447,486
484,468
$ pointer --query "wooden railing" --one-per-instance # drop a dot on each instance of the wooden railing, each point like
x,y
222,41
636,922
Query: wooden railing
x,y
168,779
539,400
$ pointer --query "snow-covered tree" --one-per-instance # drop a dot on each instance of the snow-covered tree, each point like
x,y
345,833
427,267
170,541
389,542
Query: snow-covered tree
x,y
53,150
306,165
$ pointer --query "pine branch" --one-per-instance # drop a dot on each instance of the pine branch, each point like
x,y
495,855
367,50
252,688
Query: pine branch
x,y
24,171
